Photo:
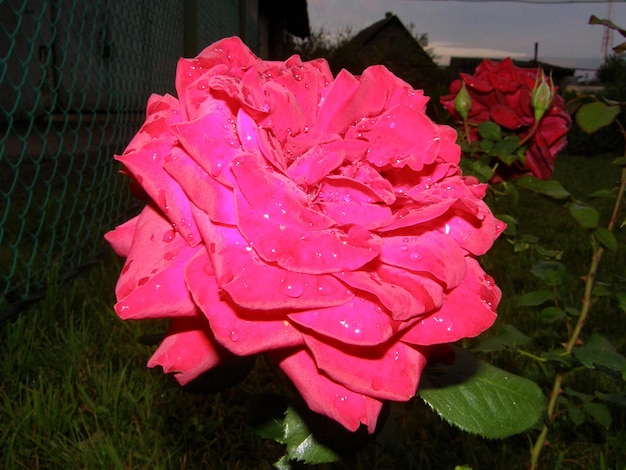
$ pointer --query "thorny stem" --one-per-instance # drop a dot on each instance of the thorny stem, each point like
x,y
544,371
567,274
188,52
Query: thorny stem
x,y
596,257
467,134
530,133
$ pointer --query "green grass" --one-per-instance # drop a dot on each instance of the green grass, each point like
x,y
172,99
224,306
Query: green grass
x,y
75,392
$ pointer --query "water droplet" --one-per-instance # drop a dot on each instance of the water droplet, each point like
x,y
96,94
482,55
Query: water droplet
x,y
170,255
340,400
377,383
142,281
189,237
404,248
168,236
297,75
234,336
292,289
415,256
217,167
163,201
127,266
347,197
234,143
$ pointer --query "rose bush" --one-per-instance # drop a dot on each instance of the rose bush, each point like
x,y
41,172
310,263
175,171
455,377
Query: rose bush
x,y
323,221
501,92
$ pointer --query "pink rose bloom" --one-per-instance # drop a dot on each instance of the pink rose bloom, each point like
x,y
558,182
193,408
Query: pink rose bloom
x,y
323,221
501,92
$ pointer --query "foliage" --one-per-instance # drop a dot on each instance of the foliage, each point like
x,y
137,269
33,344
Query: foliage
x,y
320,43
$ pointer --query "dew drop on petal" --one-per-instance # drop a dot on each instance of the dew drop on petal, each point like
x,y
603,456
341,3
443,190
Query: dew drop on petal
x,y
415,256
340,400
168,236
162,200
292,289
234,336
216,168
377,383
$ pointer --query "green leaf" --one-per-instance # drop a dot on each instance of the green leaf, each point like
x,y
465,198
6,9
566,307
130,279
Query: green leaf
x,y
507,147
551,188
576,415
606,238
552,314
593,116
480,398
621,299
486,145
534,298
620,161
586,216
599,412
490,130
302,444
266,415
558,356
598,351
604,193
509,338
550,272
581,396
615,398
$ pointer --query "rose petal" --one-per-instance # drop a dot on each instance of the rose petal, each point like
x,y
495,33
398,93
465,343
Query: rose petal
x,y
121,237
506,117
151,283
431,252
188,350
253,284
403,136
326,397
465,312
213,151
309,168
228,55
398,300
361,321
275,216
388,372
473,233
144,159
213,197
241,332
427,291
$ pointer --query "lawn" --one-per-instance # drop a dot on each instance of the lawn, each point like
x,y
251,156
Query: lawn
x,y
75,392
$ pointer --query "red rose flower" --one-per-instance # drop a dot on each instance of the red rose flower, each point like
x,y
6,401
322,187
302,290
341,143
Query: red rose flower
x,y
501,92
322,221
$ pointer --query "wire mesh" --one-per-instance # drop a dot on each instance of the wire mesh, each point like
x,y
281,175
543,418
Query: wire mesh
x,y
74,79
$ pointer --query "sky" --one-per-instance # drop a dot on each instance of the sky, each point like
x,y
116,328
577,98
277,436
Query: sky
x,y
491,29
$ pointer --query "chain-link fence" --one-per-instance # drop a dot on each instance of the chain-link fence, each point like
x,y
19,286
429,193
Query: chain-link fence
x,y
74,79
